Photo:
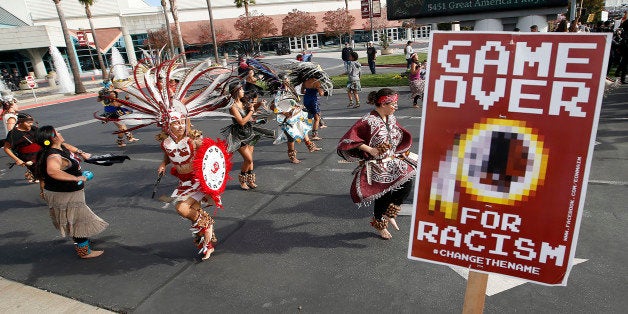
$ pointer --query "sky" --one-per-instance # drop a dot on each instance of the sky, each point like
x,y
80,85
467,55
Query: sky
x,y
155,3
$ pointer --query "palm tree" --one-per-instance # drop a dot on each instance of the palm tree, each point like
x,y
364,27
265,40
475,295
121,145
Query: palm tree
x,y
88,12
245,4
175,17
168,30
211,25
78,85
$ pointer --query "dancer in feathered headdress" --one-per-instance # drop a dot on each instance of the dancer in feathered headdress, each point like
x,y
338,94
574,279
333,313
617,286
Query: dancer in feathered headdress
x,y
112,110
314,83
294,123
172,96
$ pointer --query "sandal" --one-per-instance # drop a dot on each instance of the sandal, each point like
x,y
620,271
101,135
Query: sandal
x,y
292,155
312,147
120,142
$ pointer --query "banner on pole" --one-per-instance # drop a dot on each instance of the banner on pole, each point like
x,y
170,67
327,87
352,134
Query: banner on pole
x,y
365,9
82,38
508,129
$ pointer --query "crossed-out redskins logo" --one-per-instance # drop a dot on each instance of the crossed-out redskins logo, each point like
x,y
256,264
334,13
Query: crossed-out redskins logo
x,y
497,161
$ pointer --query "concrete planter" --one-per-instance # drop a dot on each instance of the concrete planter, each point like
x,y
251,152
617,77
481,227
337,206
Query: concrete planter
x,y
387,51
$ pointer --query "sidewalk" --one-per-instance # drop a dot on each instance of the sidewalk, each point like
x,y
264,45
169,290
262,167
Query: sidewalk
x,y
46,95
19,298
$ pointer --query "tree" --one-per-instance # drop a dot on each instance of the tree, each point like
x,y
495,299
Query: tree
x,y
586,7
212,30
88,12
338,23
156,39
222,35
255,27
175,17
245,4
298,24
168,30
78,85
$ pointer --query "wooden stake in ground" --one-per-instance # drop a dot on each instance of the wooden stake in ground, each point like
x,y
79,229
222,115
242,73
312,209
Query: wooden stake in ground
x,y
475,294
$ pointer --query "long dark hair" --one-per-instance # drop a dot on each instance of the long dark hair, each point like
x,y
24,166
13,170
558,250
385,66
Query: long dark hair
x,y
43,137
374,96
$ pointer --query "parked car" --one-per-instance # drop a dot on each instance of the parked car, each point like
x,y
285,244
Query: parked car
x,y
282,49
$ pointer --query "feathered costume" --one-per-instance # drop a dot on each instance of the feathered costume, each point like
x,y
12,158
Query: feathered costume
x,y
175,94
250,133
305,72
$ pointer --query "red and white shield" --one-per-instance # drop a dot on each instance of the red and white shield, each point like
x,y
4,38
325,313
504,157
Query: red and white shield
x,y
212,164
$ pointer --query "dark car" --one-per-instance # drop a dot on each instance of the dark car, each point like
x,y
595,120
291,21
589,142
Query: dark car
x,y
282,49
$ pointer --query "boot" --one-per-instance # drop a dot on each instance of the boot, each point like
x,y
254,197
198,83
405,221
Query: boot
x,y
311,146
203,232
250,180
292,155
120,142
242,178
83,250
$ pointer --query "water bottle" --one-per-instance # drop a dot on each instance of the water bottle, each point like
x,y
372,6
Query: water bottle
x,y
87,174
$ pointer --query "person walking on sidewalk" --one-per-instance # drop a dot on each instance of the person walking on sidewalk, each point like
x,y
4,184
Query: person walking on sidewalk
x,y
58,166
346,54
371,52
623,48
417,80
9,111
408,51
385,171
353,84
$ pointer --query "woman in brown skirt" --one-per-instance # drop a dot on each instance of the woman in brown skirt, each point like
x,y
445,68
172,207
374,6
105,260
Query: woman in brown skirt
x,y
58,165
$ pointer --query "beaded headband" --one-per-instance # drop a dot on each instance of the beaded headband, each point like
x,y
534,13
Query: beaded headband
x,y
387,99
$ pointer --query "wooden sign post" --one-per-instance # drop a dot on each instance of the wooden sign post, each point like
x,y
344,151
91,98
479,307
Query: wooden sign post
x,y
475,294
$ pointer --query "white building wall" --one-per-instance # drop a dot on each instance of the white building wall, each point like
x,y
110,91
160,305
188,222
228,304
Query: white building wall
x,y
31,37
17,8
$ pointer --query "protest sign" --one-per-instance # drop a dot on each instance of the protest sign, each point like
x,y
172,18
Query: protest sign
x,y
508,130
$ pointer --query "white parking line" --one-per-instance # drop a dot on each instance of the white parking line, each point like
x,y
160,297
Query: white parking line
x,y
608,182
73,125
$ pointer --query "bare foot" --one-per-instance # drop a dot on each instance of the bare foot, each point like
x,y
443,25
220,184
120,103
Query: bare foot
x,y
385,234
208,253
393,223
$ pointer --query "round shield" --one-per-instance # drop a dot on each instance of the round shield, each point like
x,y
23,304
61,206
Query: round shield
x,y
212,164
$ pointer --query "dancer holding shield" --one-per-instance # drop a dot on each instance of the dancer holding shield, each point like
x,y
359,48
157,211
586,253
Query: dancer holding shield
x,y
173,96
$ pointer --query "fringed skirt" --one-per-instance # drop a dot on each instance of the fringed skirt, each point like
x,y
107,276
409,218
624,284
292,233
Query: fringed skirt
x,y
71,216
237,135
417,88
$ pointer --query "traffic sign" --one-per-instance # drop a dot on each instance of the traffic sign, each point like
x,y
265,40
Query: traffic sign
x,y
30,81
82,38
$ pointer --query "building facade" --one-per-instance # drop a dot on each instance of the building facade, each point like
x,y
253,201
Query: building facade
x,y
125,24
